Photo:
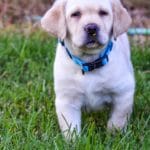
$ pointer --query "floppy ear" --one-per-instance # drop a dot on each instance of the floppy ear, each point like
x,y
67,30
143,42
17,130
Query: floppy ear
x,y
122,19
54,20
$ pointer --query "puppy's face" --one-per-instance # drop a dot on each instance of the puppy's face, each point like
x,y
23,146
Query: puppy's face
x,y
86,24
89,23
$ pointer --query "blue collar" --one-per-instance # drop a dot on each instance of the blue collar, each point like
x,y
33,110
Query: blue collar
x,y
90,66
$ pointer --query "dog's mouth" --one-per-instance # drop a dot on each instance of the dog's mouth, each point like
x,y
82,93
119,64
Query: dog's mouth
x,y
93,44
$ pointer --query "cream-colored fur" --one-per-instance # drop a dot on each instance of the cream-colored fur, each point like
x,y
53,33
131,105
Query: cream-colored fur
x,y
113,83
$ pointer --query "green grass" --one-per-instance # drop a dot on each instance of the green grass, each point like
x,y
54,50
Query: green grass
x,y
27,112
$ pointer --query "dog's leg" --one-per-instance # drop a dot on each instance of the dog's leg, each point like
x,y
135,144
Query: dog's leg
x,y
69,117
122,109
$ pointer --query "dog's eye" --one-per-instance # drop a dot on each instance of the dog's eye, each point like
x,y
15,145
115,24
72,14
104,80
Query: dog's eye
x,y
76,14
103,13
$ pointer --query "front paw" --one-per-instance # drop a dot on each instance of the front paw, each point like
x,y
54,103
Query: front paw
x,y
71,135
117,124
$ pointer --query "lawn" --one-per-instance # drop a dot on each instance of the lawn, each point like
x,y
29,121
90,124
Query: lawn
x,y
27,112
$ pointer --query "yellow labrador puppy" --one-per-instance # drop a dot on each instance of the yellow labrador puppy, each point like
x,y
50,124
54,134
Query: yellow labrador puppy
x,y
92,65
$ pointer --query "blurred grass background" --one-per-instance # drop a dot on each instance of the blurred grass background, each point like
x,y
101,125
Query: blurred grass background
x,y
19,11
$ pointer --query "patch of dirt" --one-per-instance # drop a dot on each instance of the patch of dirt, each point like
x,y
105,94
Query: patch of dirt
x,y
140,12
19,11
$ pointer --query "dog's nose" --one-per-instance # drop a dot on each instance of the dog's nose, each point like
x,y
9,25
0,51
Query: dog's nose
x,y
91,29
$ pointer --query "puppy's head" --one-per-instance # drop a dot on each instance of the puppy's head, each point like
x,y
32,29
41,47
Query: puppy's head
x,y
87,24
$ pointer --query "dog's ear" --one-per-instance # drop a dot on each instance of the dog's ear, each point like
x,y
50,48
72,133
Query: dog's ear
x,y
54,20
122,19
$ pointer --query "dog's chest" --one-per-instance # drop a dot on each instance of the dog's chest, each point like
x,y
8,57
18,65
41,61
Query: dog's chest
x,y
96,91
